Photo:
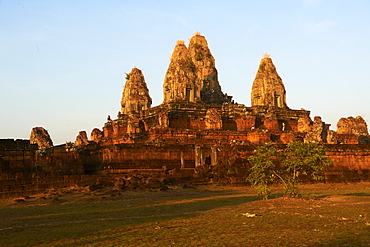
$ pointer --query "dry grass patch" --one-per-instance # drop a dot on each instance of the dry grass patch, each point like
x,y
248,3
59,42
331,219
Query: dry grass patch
x,y
206,216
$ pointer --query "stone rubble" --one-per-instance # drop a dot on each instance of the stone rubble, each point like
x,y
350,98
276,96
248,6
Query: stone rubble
x,y
41,137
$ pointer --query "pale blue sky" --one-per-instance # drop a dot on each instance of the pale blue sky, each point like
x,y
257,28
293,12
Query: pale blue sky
x,y
63,63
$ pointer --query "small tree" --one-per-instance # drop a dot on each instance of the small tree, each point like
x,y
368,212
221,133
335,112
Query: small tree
x,y
287,166
306,159
264,169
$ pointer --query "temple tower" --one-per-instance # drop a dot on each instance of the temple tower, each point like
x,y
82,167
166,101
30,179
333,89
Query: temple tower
x,y
180,81
268,89
135,95
205,69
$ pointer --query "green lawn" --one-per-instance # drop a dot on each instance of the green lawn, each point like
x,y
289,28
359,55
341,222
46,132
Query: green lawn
x,y
207,216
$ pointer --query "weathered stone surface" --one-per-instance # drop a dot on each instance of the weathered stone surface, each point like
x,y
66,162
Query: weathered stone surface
x,y
318,132
351,125
205,70
304,124
245,122
163,118
285,138
96,135
135,95
271,122
81,139
133,125
213,119
331,138
363,139
268,89
259,137
180,83
41,137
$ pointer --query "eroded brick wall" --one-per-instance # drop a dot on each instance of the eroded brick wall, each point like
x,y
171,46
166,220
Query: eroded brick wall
x,y
351,163
26,171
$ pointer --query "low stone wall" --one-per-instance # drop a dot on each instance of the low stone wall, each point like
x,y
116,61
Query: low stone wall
x,y
16,156
26,171
39,182
351,163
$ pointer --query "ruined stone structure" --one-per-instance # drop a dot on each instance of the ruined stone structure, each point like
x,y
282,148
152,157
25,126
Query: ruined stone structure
x,y
180,81
198,133
96,135
351,125
195,110
135,96
41,137
203,122
268,89
317,131
192,74
81,139
352,131
205,71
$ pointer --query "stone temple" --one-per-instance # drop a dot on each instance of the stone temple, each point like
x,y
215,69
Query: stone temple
x,y
198,133
195,110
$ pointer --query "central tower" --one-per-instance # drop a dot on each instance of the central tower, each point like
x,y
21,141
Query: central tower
x,y
268,89
192,75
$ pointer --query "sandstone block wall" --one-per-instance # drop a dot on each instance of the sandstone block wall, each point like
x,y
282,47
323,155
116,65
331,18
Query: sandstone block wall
x,y
22,184
25,171
351,163
16,156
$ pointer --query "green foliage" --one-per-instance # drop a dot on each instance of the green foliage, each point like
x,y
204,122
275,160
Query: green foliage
x,y
264,169
291,190
287,166
264,164
305,159
263,191
127,76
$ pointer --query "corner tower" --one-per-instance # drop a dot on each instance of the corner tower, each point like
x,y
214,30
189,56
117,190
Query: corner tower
x,y
268,89
135,95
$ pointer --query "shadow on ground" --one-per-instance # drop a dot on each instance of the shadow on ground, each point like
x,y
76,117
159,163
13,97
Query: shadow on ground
x,y
33,225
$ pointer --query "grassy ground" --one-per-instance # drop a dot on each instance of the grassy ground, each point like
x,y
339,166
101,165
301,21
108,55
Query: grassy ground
x,y
206,216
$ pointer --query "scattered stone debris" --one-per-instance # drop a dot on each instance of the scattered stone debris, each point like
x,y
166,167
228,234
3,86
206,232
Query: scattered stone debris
x,y
249,215
158,226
